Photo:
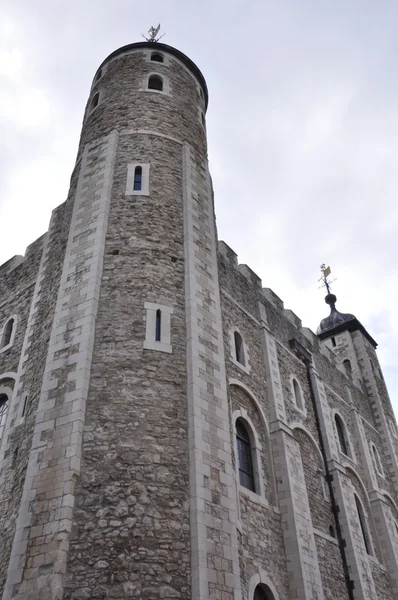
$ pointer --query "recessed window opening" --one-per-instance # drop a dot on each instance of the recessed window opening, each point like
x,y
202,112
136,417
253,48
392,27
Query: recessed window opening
x,y
94,101
380,373
158,325
9,326
98,75
261,594
363,524
155,82
341,434
297,395
201,93
331,531
203,120
137,179
239,348
25,405
371,364
334,341
377,461
245,460
347,365
157,57
3,409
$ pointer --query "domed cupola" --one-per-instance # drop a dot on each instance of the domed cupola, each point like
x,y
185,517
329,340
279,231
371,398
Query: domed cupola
x,y
336,318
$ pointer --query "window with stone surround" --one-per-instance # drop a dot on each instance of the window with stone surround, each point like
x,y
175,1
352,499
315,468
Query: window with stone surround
x,y
7,334
157,57
245,457
137,183
155,82
4,401
363,525
376,461
158,327
239,351
94,102
297,394
261,593
347,366
342,435
239,348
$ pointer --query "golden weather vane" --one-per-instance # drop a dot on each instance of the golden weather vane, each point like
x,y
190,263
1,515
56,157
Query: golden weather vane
x,y
326,271
153,32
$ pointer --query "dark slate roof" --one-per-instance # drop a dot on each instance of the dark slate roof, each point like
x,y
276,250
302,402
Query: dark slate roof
x,y
337,322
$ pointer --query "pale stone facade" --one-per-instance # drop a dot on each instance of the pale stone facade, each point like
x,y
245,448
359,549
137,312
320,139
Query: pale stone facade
x,y
136,351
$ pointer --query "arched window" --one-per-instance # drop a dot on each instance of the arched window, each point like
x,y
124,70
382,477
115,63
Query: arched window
x,y
363,524
155,82
245,459
239,348
98,75
377,461
94,101
261,594
341,435
158,325
347,365
3,411
297,395
137,179
157,57
7,333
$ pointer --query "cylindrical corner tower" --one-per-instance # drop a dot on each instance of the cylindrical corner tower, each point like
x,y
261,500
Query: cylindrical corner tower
x,y
129,489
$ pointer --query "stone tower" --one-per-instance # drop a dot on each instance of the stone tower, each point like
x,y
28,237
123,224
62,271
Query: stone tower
x,y
167,428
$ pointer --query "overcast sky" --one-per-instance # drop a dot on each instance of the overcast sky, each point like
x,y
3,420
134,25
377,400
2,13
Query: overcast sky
x,y
302,126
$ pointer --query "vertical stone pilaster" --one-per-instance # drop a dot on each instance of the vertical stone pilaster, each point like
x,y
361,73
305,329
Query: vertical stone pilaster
x,y
39,552
213,504
387,537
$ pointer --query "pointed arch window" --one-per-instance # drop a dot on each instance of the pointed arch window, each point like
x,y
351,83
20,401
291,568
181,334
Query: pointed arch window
x,y
7,333
261,594
245,458
137,179
363,524
155,82
297,395
341,433
239,348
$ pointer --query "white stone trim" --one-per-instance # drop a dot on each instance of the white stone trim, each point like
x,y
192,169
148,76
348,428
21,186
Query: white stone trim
x,y
166,57
150,343
14,328
100,98
144,191
261,577
349,443
302,410
246,367
8,392
166,91
255,447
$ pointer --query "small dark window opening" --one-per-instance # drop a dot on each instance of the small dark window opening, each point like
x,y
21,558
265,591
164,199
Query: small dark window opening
x,y
245,461
380,373
334,341
297,395
261,594
203,120
371,364
155,82
98,75
201,93
94,101
331,531
7,333
25,406
347,365
155,56
239,348
341,435
158,325
362,522
137,179
3,408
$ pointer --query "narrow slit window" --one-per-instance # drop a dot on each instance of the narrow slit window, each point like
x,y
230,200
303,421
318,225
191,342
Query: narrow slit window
x,y
341,435
94,101
158,325
297,395
137,179
157,57
3,410
7,334
377,461
363,524
334,341
155,82
245,460
98,75
25,406
239,349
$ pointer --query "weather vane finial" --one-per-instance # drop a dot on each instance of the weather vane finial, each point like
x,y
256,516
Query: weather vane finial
x,y
153,32
325,274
